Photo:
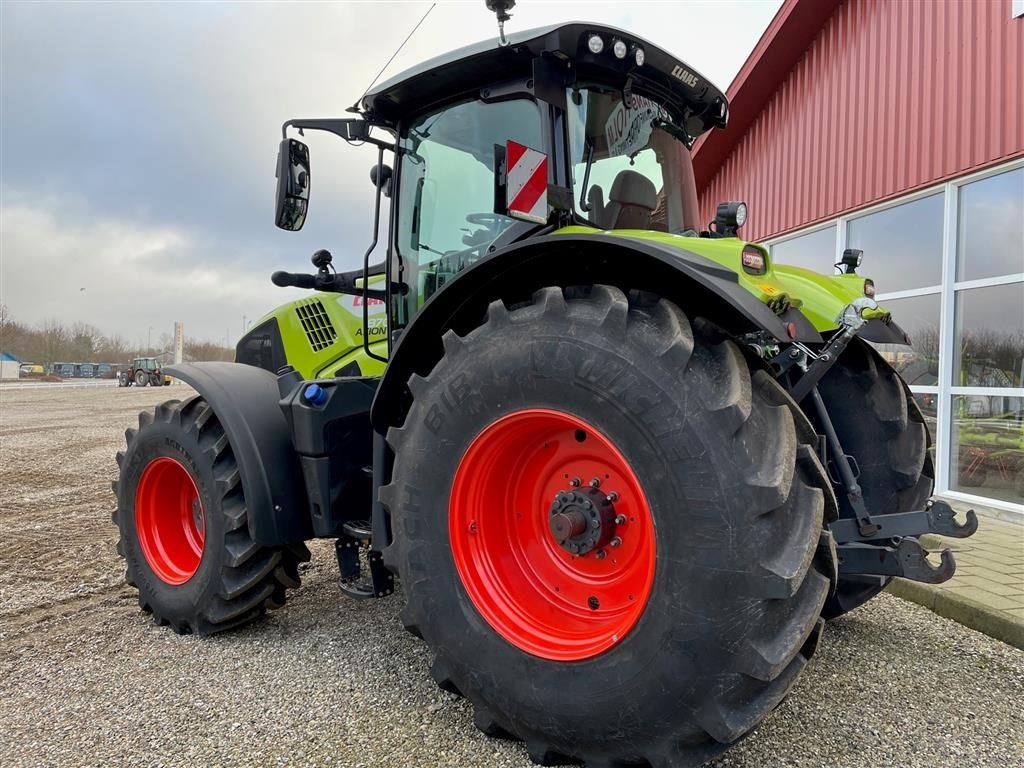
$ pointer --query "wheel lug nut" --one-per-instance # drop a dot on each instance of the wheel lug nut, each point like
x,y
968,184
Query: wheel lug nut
x,y
575,482
601,554
620,519
595,483
612,497
615,542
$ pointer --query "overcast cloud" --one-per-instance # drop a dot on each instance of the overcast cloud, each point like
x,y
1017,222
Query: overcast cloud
x,y
139,139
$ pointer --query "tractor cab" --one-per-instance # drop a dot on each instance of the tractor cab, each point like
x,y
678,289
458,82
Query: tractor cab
x,y
575,124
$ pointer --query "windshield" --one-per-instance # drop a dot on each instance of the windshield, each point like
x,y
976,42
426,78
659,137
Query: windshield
x,y
631,168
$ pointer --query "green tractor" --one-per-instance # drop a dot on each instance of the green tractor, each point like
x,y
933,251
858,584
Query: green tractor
x,y
623,465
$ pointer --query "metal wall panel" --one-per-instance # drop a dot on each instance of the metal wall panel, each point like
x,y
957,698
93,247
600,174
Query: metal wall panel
x,y
891,96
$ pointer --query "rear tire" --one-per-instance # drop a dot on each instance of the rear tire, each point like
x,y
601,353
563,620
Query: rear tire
x,y
880,424
183,522
141,379
734,491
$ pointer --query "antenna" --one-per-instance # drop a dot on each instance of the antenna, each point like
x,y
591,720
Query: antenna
x,y
501,9
355,107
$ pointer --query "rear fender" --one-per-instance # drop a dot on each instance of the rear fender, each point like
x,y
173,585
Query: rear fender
x,y
697,284
246,401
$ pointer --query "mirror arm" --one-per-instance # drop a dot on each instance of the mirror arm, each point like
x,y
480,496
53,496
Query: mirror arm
x,y
339,127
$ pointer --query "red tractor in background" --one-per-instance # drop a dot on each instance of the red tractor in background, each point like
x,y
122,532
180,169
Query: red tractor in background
x,y
143,371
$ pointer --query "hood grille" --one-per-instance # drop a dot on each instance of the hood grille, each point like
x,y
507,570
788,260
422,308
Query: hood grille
x,y
317,325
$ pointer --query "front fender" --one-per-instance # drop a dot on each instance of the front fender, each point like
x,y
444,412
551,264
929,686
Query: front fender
x,y
246,402
699,285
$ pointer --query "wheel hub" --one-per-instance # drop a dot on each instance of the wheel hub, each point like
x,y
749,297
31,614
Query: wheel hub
x,y
581,521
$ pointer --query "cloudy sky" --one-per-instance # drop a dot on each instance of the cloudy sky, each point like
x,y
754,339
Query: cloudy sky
x,y
139,139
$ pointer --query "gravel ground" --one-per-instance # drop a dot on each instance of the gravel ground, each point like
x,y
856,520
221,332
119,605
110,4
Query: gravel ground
x,y
86,679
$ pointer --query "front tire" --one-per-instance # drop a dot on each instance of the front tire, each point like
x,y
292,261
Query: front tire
x,y
720,490
183,525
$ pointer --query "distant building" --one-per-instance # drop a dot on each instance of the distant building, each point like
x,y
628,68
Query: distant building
x,y
898,128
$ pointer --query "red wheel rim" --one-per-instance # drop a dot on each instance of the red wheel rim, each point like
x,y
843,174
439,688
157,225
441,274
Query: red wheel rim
x,y
531,589
170,520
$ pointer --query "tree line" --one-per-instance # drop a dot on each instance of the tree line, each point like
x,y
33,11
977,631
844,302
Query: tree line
x,y
52,341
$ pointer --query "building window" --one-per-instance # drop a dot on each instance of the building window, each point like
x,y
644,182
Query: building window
x,y
988,447
989,336
990,230
919,317
814,250
986,454
949,265
902,245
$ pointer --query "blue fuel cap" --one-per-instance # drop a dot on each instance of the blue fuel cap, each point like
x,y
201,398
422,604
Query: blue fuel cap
x,y
315,395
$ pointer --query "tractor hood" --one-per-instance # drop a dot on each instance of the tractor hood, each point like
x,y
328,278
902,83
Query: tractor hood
x,y
566,55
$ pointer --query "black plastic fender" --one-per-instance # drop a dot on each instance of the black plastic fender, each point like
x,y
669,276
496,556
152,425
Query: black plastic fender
x,y
245,400
697,284
880,332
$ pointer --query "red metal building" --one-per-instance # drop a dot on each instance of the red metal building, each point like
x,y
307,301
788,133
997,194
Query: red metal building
x,y
897,127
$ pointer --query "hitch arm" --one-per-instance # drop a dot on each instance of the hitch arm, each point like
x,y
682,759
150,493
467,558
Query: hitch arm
x,y
907,559
937,517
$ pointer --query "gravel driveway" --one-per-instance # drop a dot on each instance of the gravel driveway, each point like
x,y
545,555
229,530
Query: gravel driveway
x,y
86,679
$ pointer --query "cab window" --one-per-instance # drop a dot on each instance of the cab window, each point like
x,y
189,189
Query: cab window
x,y
446,190
630,163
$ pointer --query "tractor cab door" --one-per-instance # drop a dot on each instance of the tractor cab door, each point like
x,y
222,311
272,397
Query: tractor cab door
x,y
445,218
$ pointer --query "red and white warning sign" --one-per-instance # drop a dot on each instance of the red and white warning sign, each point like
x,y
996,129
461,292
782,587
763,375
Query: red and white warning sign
x,y
526,191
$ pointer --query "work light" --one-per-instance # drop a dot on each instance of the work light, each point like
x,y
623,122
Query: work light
x,y
619,49
595,44
639,55
729,217
852,258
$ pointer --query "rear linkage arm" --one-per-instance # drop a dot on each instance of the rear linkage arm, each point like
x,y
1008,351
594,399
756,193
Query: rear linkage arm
x,y
901,554
937,517
907,559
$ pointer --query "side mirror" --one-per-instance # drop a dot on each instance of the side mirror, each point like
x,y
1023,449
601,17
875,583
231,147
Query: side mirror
x,y
292,185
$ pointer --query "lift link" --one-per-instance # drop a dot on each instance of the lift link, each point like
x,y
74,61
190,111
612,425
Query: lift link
x,y
865,526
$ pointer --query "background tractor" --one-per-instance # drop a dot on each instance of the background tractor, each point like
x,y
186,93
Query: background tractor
x,y
623,464
143,371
